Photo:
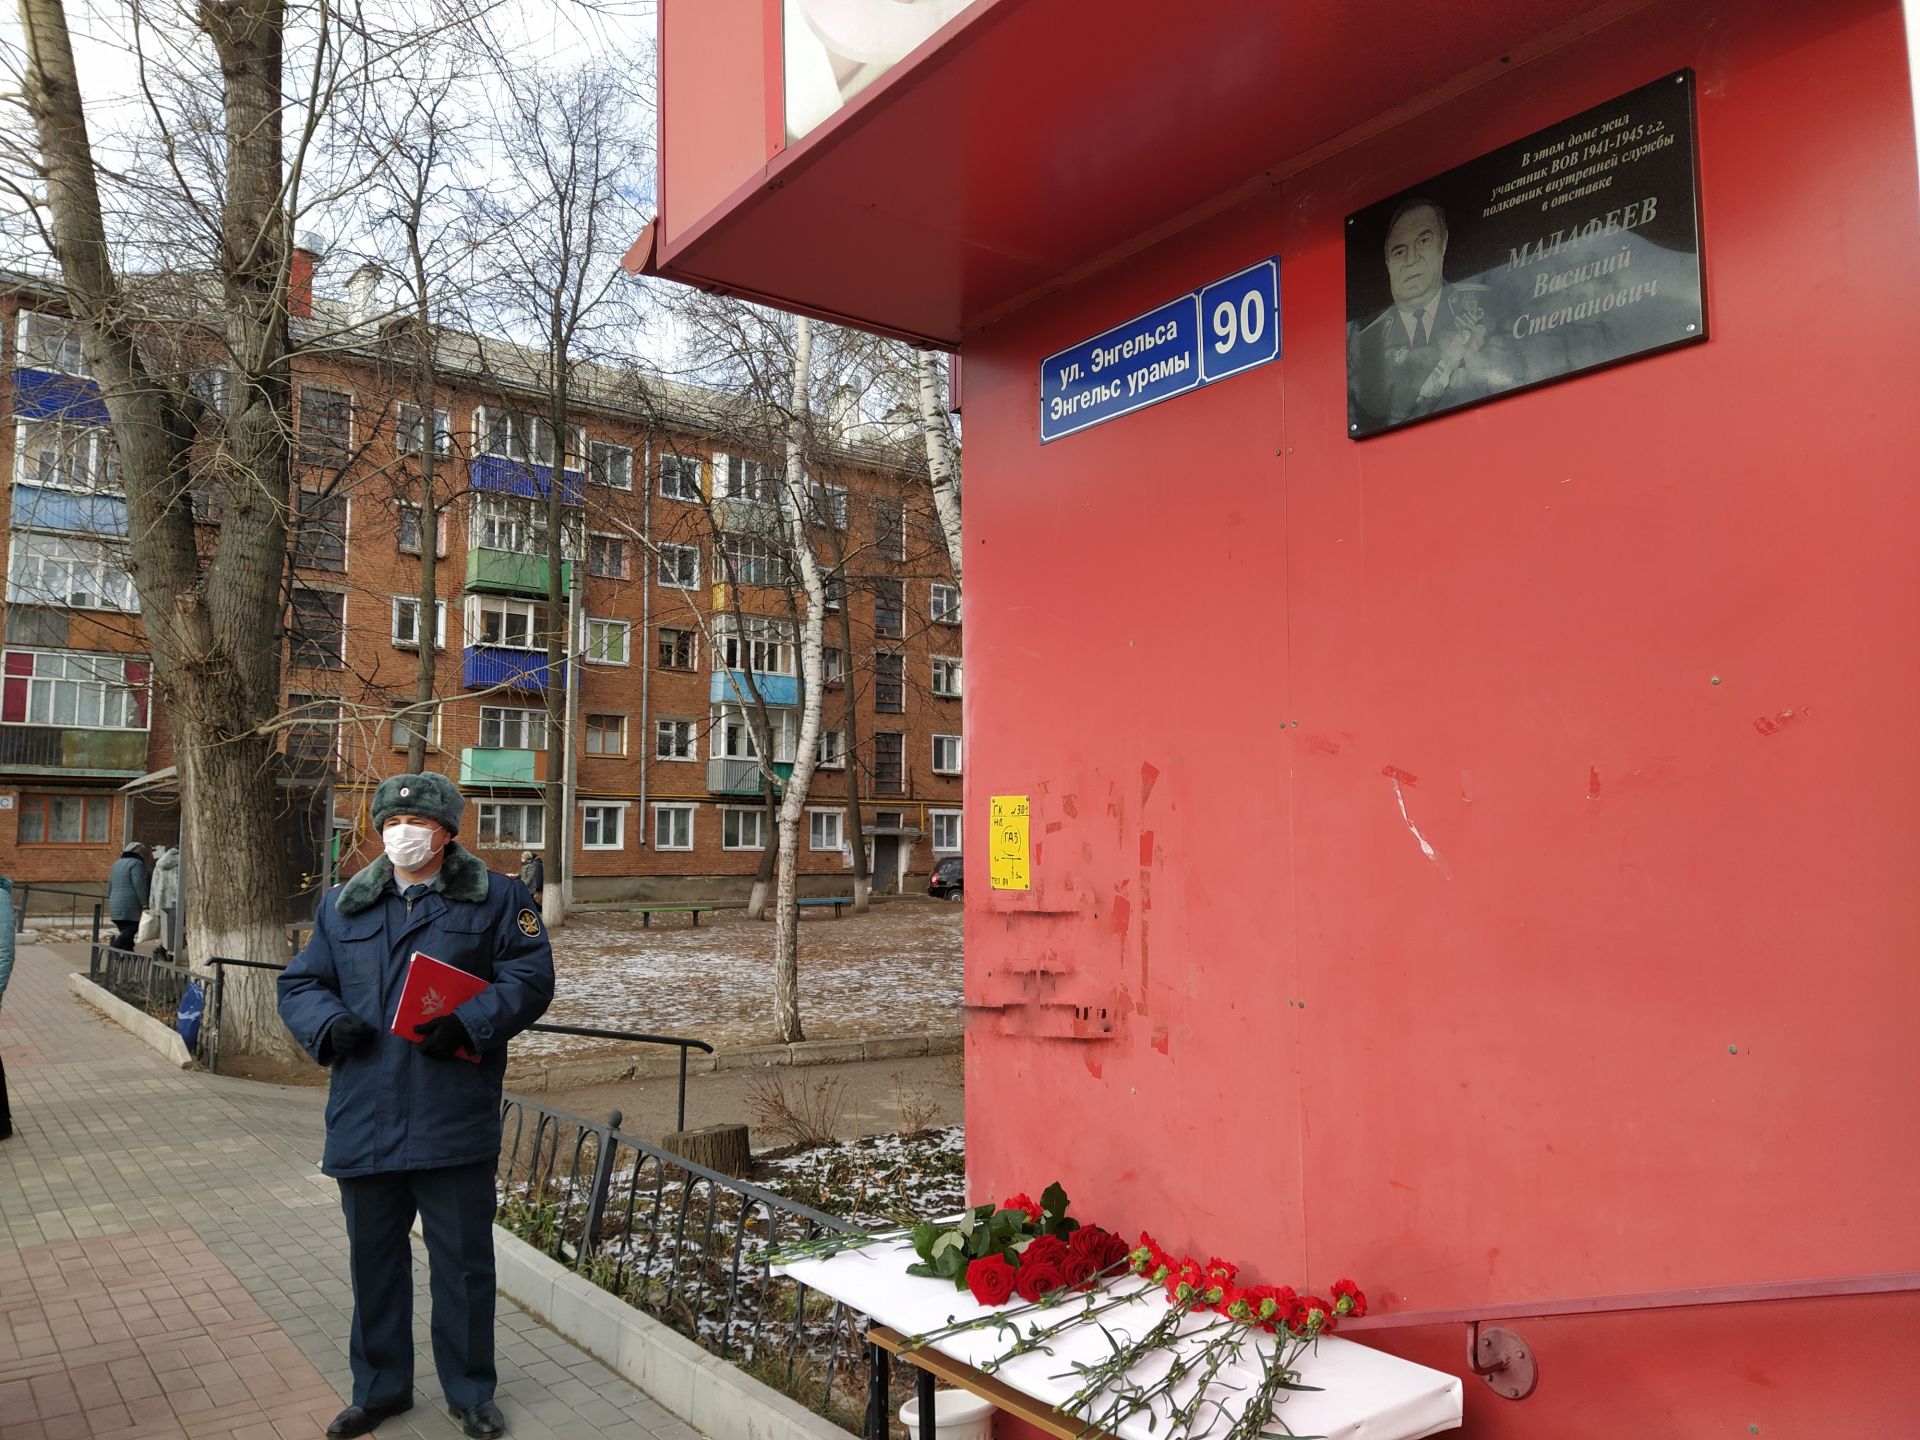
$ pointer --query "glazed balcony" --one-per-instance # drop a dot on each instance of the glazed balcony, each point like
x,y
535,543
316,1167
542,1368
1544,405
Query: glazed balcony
x,y
509,572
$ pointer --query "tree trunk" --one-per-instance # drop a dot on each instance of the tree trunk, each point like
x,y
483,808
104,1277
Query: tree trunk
x,y
763,872
940,466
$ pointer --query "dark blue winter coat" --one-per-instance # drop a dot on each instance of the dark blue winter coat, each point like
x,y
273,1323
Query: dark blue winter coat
x,y
127,884
390,1107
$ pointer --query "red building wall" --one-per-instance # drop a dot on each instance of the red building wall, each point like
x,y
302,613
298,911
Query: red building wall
x,y
1632,654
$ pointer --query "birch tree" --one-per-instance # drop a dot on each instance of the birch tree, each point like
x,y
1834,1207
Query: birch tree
x,y
943,468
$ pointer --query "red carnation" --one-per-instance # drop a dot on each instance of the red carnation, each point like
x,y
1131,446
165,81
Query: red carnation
x,y
1349,1299
1079,1268
991,1280
1036,1279
1025,1202
1043,1250
1311,1316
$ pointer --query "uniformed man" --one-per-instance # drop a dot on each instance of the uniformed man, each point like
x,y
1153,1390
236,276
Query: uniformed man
x,y
1429,350
411,1126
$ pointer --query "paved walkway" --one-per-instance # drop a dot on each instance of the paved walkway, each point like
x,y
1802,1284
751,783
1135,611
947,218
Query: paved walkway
x,y
172,1262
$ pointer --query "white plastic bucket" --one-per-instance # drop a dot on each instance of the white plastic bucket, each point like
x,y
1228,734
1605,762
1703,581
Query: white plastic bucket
x,y
956,1416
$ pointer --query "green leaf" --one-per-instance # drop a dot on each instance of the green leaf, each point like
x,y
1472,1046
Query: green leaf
x,y
926,1270
1053,1199
949,1241
924,1234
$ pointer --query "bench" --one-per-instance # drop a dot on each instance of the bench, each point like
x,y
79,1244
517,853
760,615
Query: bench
x,y
836,901
647,912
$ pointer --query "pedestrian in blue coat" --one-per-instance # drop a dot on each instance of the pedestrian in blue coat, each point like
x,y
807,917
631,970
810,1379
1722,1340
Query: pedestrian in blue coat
x,y
6,974
412,1126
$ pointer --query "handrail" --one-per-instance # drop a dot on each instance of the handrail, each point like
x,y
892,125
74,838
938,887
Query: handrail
x,y
1891,1283
636,1037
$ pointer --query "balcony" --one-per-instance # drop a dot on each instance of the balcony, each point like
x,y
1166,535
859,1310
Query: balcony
x,y
48,749
509,572
741,777
730,688
50,395
523,768
487,666
749,517
521,477
35,507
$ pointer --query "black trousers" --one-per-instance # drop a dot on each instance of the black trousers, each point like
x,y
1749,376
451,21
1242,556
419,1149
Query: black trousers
x,y
123,933
6,1113
456,1206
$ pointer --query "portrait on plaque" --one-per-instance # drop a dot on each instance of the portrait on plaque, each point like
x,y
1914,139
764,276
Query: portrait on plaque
x,y
1573,248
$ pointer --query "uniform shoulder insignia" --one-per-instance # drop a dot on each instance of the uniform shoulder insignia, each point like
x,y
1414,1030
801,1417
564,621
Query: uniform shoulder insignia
x,y
529,923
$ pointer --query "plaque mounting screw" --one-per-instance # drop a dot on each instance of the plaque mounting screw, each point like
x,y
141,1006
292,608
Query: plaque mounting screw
x,y
1691,329
1716,679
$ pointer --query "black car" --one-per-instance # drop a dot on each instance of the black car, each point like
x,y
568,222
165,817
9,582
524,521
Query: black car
x,y
947,879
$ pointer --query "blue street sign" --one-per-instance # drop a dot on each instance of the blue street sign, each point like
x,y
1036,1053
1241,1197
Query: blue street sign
x,y
1240,321
1206,335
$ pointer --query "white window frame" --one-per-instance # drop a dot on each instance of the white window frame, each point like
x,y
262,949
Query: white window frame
x,y
693,647
765,643
395,721
692,738
87,463
488,812
408,432
526,720
401,512
680,466
523,521
525,437
728,814
91,573
679,552
839,818
587,728
739,477
829,504
751,560
597,652
92,668
895,587
626,568
947,614
662,810
401,604
949,665
618,810
830,750
954,768
596,449
532,611
935,819
72,359
833,665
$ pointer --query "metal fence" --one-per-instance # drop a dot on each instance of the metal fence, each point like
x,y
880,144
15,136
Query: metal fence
x,y
155,986
51,903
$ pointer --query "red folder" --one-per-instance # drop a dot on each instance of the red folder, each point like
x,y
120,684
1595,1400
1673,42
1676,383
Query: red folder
x,y
432,988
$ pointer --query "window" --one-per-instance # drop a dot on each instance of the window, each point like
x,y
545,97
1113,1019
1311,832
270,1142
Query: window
x,y
320,532
889,684
317,628
889,763
732,735
314,738
77,572
945,605
408,530
946,831
66,457
680,566
890,529
507,727
507,623
743,829
410,431
749,561
830,505
513,435
890,608
946,754
211,384
674,739
673,827
830,751
513,823
607,556
606,734
50,342
738,478
601,826
680,477
678,649
400,729
611,466
64,819
826,829
73,690
406,623
833,665
607,641
326,424
505,523
946,677
754,642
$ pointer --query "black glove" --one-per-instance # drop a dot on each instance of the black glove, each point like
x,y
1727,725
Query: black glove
x,y
441,1036
348,1035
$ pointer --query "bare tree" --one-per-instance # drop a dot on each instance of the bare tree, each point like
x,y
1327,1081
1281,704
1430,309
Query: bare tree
x,y
943,461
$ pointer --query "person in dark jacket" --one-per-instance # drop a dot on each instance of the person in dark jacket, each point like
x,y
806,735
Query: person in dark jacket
x,y
127,884
412,1126
6,974
533,873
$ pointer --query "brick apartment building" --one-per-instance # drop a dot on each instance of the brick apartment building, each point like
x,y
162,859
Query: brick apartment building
x,y
667,505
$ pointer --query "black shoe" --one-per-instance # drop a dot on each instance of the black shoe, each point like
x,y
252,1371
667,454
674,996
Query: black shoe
x,y
482,1422
359,1419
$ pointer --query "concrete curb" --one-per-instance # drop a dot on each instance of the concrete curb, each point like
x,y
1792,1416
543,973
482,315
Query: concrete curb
x,y
156,1033
530,1077
713,1396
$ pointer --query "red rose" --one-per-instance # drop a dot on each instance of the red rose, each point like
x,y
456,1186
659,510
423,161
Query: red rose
x,y
1349,1299
1023,1201
991,1280
1038,1278
1043,1250
1112,1251
1079,1269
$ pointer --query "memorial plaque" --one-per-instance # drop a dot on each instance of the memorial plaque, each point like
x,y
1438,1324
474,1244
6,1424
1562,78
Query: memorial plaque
x,y
1576,247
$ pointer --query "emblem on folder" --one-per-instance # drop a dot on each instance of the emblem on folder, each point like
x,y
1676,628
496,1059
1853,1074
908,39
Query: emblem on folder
x,y
432,1003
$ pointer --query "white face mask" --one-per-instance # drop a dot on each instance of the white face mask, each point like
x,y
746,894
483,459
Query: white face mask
x,y
408,846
